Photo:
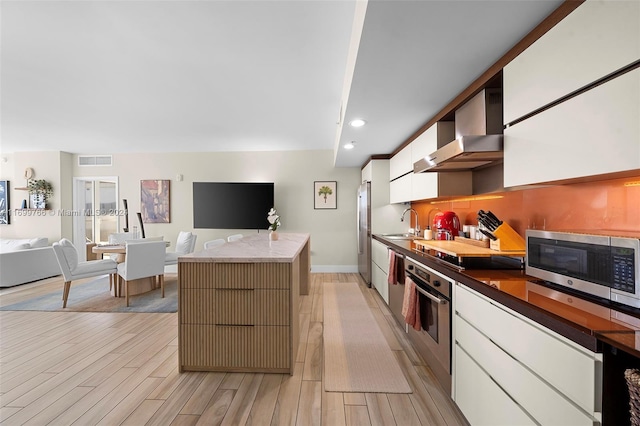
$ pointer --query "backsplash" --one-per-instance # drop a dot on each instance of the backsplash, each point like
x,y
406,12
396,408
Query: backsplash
x,y
604,205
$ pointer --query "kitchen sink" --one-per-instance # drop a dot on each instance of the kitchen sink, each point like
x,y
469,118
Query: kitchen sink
x,y
398,236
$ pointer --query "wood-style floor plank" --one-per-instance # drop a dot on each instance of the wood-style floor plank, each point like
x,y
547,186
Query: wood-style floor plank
x,y
87,368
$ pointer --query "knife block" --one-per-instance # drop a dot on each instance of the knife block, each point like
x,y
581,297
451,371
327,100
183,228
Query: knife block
x,y
507,239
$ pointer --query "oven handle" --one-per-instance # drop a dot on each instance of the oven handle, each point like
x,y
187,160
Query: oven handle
x,y
430,296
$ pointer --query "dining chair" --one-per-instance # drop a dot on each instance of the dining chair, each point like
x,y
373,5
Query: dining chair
x,y
72,269
143,260
234,237
185,244
214,243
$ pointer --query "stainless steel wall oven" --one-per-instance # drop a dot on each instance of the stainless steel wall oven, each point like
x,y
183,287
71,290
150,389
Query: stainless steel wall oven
x,y
433,340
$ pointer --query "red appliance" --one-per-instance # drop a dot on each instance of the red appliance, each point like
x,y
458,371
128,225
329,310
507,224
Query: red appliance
x,y
446,226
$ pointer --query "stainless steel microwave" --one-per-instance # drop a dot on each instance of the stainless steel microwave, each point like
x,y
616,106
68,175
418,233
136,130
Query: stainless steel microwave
x,y
601,265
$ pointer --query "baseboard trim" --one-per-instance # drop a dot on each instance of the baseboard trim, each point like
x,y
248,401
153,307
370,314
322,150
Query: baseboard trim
x,y
340,269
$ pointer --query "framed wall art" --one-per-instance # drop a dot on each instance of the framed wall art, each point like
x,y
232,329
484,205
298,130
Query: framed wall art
x,y
325,194
5,217
155,201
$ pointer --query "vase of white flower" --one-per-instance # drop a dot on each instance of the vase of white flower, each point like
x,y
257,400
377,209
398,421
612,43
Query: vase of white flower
x,y
274,221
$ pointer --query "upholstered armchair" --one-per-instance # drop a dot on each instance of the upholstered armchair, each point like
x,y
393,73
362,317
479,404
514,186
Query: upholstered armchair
x,y
144,259
67,257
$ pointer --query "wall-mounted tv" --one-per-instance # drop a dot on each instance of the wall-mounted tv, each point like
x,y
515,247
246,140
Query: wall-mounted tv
x,y
232,205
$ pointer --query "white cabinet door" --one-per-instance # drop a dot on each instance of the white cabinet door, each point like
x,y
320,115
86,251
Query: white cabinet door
x,y
367,173
596,39
480,399
379,282
400,190
400,163
594,133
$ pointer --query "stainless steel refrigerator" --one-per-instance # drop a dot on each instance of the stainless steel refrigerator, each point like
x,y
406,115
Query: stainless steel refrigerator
x,y
364,232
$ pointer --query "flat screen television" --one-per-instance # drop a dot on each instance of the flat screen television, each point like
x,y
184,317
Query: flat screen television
x,y
232,205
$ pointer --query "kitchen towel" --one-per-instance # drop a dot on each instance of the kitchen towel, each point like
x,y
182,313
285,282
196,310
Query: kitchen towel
x,y
396,268
411,305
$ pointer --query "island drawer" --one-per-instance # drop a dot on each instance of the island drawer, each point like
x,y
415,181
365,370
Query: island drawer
x,y
211,348
234,275
235,307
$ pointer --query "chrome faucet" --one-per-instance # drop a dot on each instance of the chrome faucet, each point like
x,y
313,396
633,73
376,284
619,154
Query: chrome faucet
x,y
416,230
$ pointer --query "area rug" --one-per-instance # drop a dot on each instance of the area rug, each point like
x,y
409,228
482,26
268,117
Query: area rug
x,y
357,357
94,296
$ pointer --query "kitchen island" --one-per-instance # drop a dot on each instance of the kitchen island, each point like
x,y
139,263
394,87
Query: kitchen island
x,y
238,304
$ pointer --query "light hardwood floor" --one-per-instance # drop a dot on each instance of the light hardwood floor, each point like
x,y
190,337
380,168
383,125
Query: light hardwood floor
x,y
64,368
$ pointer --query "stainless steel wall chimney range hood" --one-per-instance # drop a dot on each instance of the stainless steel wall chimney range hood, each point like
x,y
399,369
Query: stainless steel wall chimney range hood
x,y
479,140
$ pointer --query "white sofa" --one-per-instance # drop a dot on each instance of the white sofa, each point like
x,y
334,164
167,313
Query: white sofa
x,y
26,260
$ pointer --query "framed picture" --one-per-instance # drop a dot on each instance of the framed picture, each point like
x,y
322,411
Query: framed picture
x,y
154,201
325,194
4,202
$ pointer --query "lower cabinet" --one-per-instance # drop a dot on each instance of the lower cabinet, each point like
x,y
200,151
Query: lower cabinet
x,y
505,363
380,268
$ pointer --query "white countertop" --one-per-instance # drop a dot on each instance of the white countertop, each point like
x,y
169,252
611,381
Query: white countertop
x,y
253,248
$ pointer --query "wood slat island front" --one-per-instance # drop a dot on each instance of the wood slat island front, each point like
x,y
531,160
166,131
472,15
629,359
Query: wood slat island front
x,y
238,304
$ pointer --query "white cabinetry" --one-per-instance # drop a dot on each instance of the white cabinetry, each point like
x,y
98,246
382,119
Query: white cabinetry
x,y
400,163
367,172
385,217
596,39
380,268
407,186
592,133
516,365
401,175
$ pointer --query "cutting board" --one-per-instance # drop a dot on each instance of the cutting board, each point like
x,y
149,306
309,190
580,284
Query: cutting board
x,y
458,249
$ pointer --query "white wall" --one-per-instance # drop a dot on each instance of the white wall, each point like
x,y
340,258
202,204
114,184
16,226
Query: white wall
x,y
333,235
47,165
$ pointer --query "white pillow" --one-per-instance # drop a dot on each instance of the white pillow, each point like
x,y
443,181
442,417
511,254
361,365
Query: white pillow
x,y
184,242
70,253
39,242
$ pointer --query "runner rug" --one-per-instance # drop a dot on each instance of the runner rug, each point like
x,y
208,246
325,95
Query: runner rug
x,y
94,296
357,357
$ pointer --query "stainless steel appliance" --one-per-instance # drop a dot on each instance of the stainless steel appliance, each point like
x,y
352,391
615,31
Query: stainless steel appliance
x,y
433,341
479,141
364,232
605,266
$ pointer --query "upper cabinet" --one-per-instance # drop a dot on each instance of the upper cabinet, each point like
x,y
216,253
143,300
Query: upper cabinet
x,y
367,172
594,131
407,186
596,39
400,164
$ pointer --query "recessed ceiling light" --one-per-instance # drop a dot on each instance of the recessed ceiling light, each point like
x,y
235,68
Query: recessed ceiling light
x,y
350,145
358,122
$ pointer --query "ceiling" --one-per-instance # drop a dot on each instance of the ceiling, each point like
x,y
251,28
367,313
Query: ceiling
x,y
103,77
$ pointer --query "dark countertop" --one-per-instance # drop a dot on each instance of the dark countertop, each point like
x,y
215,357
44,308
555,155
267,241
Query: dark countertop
x,y
586,320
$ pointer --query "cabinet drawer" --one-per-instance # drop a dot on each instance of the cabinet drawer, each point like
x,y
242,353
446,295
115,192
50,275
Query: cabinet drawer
x,y
234,307
234,275
480,399
540,400
571,369
380,255
379,281
209,347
